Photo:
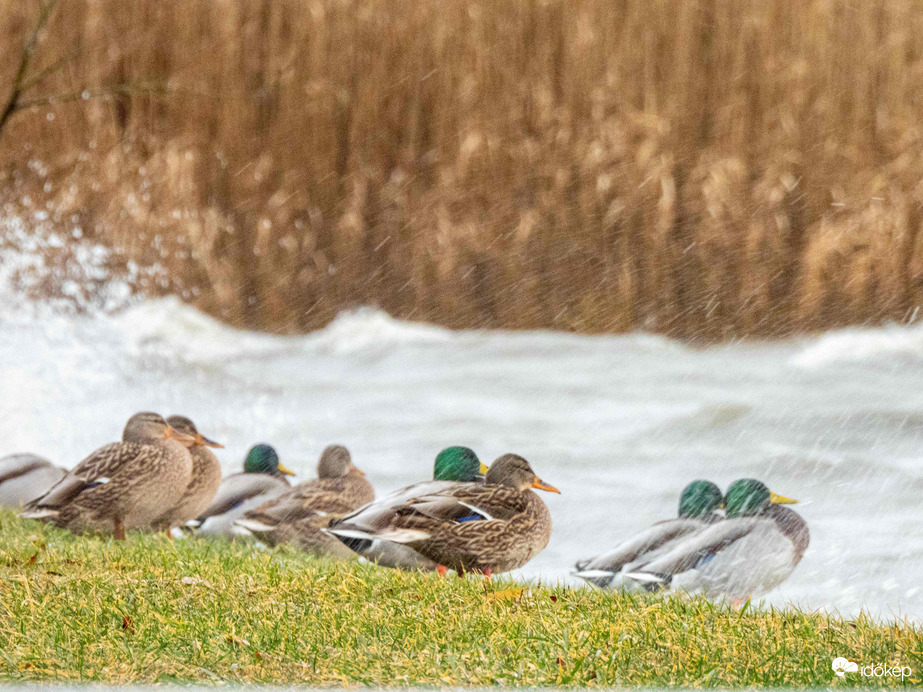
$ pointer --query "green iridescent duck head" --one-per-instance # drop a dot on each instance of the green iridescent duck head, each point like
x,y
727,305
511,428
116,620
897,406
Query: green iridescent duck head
x,y
458,464
263,459
699,499
749,497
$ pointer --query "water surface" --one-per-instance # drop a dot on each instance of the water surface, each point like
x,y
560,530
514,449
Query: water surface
x,y
618,423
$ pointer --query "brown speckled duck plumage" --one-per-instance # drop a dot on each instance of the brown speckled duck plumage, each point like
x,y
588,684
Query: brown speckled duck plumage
x,y
299,516
490,528
123,485
203,482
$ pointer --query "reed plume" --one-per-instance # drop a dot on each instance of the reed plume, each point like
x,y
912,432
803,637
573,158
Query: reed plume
x,y
707,169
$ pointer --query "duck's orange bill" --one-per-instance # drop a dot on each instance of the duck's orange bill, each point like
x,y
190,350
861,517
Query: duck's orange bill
x,y
200,439
287,472
181,437
542,485
353,471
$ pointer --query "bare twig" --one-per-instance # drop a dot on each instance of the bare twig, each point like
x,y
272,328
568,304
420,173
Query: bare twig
x,y
20,82
93,93
49,69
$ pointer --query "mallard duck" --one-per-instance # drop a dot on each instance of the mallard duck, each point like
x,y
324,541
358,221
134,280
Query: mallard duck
x,y
748,554
124,485
698,508
299,516
263,478
24,477
204,481
452,465
468,527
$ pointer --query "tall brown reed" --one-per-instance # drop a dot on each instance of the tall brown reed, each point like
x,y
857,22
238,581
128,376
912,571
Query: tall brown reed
x,y
706,169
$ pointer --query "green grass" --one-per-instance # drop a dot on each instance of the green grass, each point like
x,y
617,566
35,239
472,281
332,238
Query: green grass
x,y
151,610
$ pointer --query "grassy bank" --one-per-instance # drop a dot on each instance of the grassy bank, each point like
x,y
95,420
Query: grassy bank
x,y
150,610
714,169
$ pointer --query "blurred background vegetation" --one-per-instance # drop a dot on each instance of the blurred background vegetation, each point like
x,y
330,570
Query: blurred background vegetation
x,y
706,169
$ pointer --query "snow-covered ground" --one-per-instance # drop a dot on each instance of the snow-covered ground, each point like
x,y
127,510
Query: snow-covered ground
x,y
618,423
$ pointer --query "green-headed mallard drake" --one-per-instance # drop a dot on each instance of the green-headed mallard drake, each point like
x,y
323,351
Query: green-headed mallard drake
x,y
698,508
748,554
263,478
24,477
468,527
204,481
299,516
124,485
452,465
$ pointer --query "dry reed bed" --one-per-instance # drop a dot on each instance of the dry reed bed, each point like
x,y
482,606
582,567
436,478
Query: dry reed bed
x,y
705,169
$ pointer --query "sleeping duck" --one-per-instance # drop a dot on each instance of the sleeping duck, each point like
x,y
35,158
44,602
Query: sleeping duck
x,y
698,508
747,554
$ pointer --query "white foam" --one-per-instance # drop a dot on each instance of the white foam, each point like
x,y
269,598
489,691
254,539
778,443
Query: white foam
x,y
43,274
857,345
370,330
171,329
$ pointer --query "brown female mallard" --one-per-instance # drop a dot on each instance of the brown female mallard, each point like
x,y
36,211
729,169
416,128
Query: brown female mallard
x,y
124,485
24,477
490,528
299,516
204,481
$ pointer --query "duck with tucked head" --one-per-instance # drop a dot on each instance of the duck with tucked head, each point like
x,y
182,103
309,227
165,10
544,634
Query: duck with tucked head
x,y
264,477
204,481
24,477
453,465
698,508
124,485
469,527
748,554
299,516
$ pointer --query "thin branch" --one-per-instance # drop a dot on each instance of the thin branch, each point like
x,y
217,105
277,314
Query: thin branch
x,y
97,92
49,69
46,10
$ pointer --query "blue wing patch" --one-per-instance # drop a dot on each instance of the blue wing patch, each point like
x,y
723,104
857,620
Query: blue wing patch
x,y
704,560
474,516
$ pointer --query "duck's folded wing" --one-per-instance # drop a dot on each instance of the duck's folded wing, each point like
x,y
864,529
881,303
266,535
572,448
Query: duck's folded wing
x,y
698,547
377,514
316,492
301,502
462,503
418,517
65,490
448,510
636,547
16,465
108,460
493,502
94,471
237,489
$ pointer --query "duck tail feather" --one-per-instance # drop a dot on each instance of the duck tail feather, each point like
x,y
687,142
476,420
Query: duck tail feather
x,y
255,526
